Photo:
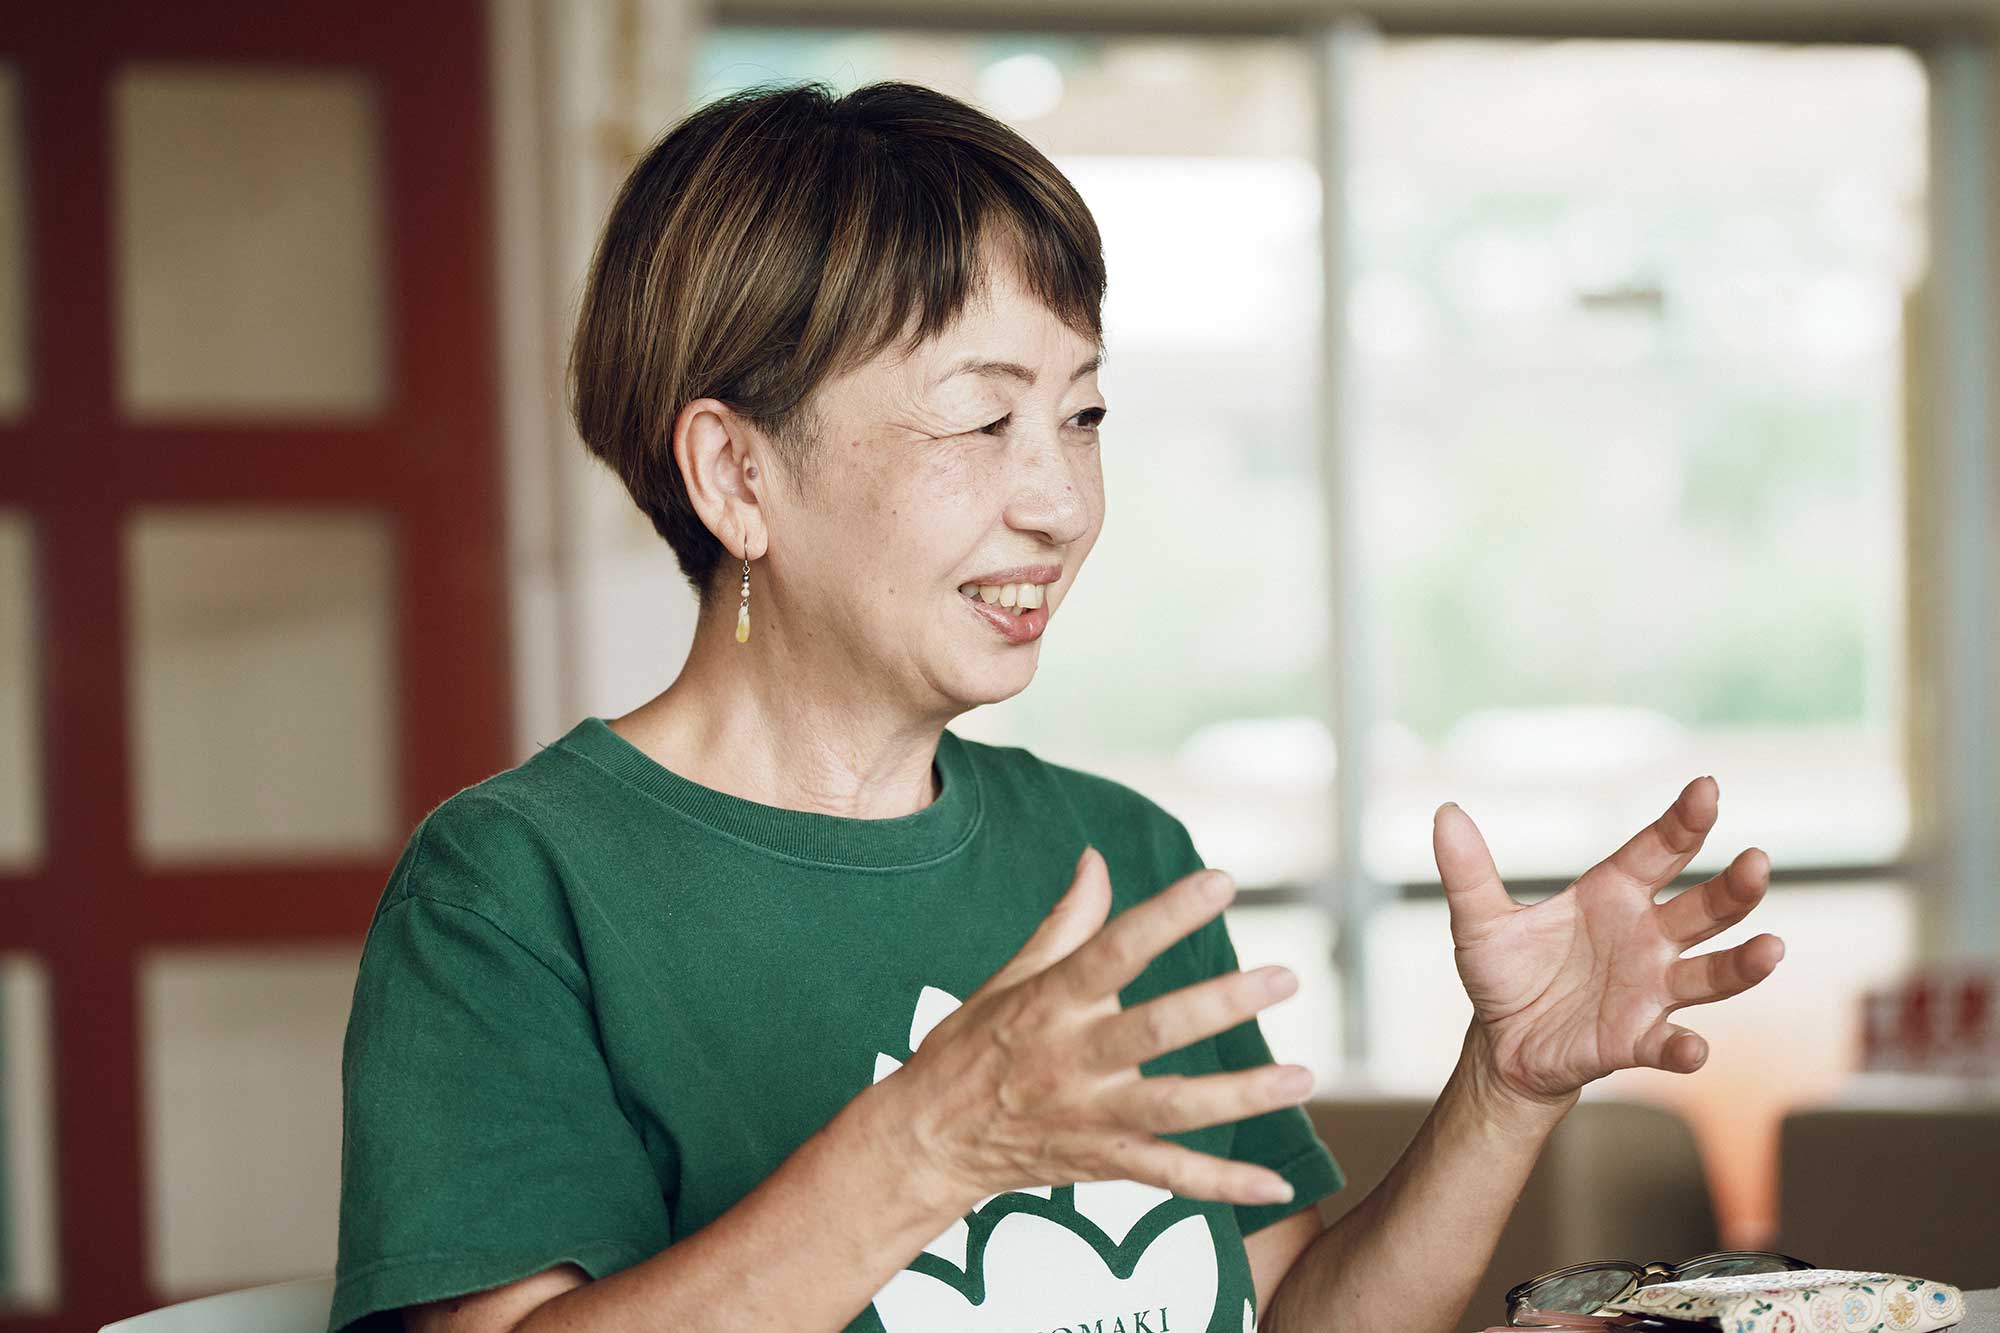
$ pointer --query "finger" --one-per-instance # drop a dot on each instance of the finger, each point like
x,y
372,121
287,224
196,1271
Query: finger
x,y
1717,903
1726,972
1076,917
1107,962
1133,1036
1171,1103
1671,1047
1191,1174
1473,893
1661,850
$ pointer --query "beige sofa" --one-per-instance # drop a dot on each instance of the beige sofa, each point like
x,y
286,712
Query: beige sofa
x,y
1908,1188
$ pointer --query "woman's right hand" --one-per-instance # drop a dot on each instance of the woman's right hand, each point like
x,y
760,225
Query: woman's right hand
x,y
1034,1080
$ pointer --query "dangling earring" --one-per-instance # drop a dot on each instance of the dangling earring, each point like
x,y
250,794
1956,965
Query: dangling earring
x,y
743,611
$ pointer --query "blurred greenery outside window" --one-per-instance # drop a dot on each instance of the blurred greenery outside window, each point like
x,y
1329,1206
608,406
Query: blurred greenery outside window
x,y
1625,322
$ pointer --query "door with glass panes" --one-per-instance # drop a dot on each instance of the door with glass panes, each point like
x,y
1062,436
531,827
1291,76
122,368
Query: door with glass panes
x,y
252,618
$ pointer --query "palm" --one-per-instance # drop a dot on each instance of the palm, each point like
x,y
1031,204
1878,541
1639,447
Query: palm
x,y
1581,984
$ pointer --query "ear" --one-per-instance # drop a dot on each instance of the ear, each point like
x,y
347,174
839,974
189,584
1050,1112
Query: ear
x,y
719,456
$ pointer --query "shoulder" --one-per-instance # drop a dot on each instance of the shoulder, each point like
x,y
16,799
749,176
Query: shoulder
x,y
491,851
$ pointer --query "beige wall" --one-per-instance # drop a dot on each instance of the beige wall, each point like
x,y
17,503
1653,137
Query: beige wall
x,y
602,618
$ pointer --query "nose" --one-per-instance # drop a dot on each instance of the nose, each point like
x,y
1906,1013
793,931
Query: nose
x,y
1049,481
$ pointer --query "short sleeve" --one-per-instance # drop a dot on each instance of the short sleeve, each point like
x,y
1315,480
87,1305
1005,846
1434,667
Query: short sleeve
x,y
482,1138
1283,1140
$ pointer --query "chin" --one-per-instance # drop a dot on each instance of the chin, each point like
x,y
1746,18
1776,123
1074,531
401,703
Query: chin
x,y
996,682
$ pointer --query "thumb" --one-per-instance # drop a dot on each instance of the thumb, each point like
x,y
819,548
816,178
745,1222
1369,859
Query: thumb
x,y
1671,1047
1476,898
1077,915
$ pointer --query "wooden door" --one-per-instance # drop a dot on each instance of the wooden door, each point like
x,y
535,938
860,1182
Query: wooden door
x,y
250,475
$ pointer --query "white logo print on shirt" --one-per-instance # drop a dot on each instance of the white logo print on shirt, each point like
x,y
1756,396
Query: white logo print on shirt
x,y
1048,1257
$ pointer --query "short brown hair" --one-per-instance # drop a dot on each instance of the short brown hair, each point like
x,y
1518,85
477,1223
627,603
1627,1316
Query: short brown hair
x,y
782,235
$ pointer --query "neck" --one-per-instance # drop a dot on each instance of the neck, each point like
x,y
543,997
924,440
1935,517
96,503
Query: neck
x,y
763,721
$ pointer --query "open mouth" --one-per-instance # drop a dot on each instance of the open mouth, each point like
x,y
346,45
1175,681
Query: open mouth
x,y
1018,611
1015,599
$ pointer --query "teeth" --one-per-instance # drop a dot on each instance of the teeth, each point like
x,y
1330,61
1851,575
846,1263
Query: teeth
x,y
1020,596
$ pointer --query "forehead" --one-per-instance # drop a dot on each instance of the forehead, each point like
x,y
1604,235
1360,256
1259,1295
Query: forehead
x,y
1004,333
1003,338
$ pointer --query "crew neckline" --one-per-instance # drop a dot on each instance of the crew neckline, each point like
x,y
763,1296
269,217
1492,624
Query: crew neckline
x,y
902,842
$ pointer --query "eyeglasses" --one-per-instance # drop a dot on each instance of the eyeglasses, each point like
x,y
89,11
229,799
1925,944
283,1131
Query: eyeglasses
x,y
1582,1288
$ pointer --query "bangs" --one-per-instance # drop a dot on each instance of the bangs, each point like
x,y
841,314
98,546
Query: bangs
x,y
912,238
907,211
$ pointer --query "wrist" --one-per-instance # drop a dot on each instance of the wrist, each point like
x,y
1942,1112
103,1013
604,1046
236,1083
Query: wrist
x,y
884,1125
1497,1097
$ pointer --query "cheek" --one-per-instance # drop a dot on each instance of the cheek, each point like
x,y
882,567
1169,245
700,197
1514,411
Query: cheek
x,y
917,525
951,490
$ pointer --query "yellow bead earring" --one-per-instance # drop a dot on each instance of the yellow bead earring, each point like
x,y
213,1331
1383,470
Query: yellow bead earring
x,y
743,611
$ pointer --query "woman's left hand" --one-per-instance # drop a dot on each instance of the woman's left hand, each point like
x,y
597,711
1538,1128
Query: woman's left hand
x,y
1575,986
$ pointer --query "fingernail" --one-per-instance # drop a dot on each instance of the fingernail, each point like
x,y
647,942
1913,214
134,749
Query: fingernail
x,y
1274,1191
1216,887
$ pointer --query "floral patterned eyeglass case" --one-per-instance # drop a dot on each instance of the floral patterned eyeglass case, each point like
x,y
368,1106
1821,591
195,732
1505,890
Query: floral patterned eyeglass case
x,y
1810,1300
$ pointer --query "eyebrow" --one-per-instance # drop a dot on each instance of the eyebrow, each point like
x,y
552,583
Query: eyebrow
x,y
1014,370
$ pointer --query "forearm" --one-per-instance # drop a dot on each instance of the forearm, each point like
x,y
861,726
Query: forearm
x,y
1420,1241
771,1262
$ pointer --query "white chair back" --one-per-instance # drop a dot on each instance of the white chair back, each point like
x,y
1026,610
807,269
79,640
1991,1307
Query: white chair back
x,y
281,1307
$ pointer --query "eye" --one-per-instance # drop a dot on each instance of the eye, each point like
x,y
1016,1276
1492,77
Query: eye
x,y
1088,419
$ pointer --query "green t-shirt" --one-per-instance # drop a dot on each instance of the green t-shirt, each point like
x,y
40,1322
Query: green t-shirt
x,y
598,1003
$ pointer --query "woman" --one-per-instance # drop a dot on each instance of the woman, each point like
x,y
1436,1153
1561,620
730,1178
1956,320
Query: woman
x,y
774,1003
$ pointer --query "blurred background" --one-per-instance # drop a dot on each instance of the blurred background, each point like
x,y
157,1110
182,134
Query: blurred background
x,y
1534,405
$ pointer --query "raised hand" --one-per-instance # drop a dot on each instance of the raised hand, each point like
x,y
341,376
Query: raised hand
x,y
1578,985
1034,1080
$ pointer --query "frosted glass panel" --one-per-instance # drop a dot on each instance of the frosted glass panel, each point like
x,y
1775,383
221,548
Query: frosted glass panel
x,y
13,251
249,245
1626,321
242,1113
262,683
20,742
27,1137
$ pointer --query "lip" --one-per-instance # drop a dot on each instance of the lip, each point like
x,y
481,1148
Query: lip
x,y
1017,574
1025,627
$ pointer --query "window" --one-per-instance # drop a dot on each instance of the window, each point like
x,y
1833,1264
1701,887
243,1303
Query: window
x,y
1628,327
1622,355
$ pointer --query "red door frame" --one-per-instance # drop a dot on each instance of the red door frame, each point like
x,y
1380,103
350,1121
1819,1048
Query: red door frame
x,y
429,462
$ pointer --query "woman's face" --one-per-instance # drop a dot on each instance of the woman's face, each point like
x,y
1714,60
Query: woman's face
x,y
936,476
